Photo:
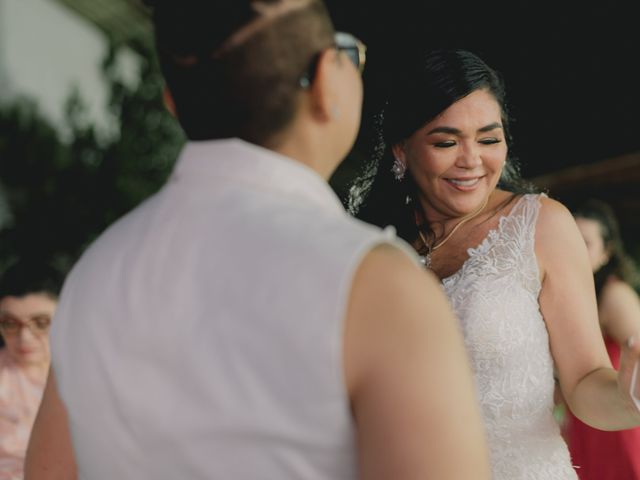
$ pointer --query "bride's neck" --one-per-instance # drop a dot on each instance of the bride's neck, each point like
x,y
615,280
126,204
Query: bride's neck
x,y
441,222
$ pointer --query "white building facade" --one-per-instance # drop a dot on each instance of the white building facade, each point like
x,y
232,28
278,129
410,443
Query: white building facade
x,y
46,51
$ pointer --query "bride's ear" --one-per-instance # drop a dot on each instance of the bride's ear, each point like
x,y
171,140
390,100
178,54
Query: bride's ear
x,y
399,153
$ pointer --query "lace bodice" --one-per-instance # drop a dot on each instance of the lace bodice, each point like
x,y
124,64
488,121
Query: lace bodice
x,y
495,296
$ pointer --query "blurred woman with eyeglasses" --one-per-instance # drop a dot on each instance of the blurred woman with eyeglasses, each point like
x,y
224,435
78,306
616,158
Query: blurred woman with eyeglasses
x,y
27,303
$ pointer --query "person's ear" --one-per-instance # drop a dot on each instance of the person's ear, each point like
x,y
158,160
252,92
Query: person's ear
x,y
324,91
167,99
399,153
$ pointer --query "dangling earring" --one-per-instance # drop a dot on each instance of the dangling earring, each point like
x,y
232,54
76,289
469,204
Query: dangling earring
x,y
398,169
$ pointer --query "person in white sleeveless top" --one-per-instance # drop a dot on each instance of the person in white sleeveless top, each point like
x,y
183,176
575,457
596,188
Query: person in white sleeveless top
x,y
512,263
240,324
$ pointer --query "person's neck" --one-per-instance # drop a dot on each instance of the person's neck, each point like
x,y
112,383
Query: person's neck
x,y
439,222
442,222
36,372
303,146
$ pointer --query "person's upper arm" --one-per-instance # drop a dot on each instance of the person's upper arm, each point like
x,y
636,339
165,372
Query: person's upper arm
x,y
620,311
408,376
567,299
50,454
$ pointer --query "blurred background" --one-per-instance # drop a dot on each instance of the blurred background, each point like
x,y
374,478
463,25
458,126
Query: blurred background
x,y
84,135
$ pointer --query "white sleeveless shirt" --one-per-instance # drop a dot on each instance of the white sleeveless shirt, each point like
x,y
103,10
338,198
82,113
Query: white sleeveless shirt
x,y
200,337
495,296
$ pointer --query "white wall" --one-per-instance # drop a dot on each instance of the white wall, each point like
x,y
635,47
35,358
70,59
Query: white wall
x,y
46,50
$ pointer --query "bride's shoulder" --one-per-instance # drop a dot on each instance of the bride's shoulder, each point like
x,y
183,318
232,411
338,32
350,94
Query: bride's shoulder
x,y
557,234
553,214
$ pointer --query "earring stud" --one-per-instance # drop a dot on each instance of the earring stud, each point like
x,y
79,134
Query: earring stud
x,y
398,169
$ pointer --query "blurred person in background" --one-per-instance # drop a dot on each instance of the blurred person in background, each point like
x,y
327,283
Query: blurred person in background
x,y
240,324
598,454
28,297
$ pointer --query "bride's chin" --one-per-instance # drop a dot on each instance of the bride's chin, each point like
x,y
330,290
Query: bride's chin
x,y
467,205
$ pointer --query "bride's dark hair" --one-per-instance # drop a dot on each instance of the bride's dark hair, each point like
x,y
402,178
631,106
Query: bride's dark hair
x,y
417,95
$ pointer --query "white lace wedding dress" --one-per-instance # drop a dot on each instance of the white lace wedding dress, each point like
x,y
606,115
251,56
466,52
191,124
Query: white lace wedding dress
x,y
495,295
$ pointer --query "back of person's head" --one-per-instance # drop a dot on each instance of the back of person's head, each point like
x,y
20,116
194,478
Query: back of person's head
x,y
618,264
22,278
233,67
418,93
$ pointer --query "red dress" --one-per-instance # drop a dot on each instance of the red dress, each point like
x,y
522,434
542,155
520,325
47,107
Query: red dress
x,y
604,455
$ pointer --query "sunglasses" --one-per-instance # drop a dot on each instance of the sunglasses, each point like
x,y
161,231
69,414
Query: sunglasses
x,y
355,50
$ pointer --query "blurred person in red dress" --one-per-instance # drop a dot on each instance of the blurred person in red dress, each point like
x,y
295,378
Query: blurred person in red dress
x,y
604,455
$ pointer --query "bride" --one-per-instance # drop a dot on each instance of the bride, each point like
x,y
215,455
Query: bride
x,y
512,262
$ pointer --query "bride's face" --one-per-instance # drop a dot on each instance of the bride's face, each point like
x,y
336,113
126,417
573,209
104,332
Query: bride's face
x,y
457,158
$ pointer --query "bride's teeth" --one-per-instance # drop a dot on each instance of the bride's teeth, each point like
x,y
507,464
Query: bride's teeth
x,y
464,183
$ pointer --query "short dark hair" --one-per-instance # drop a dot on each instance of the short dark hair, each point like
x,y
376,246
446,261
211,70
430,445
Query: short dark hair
x,y
620,264
250,91
28,277
419,92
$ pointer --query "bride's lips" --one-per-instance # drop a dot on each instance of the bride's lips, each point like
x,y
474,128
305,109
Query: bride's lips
x,y
464,184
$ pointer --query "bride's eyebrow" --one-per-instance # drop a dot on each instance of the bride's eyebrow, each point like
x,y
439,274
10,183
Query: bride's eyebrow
x,y
448,130
455,131
491,126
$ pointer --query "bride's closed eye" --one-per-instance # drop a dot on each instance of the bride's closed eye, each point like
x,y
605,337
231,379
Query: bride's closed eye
x,y
445,144
490,141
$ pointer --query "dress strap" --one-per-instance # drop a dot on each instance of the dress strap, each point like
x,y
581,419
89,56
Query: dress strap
x,y
528,208
524,218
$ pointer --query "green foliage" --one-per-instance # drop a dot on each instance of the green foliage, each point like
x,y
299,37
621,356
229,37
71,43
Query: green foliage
x,y
62,194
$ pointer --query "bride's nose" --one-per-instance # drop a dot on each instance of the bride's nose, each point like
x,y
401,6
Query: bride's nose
x,y
469,156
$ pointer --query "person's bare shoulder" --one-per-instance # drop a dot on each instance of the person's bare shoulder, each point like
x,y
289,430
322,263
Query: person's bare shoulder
x,y
616,290
552,216
391,296
619,307
389,285
557,237
388,306
388,267
408,377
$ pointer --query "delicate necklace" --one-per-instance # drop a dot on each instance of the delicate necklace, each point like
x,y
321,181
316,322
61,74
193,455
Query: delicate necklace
x,y
432,247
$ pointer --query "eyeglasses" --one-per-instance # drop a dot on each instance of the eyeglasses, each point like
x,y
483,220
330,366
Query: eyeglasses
x,y
355,50
38,325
